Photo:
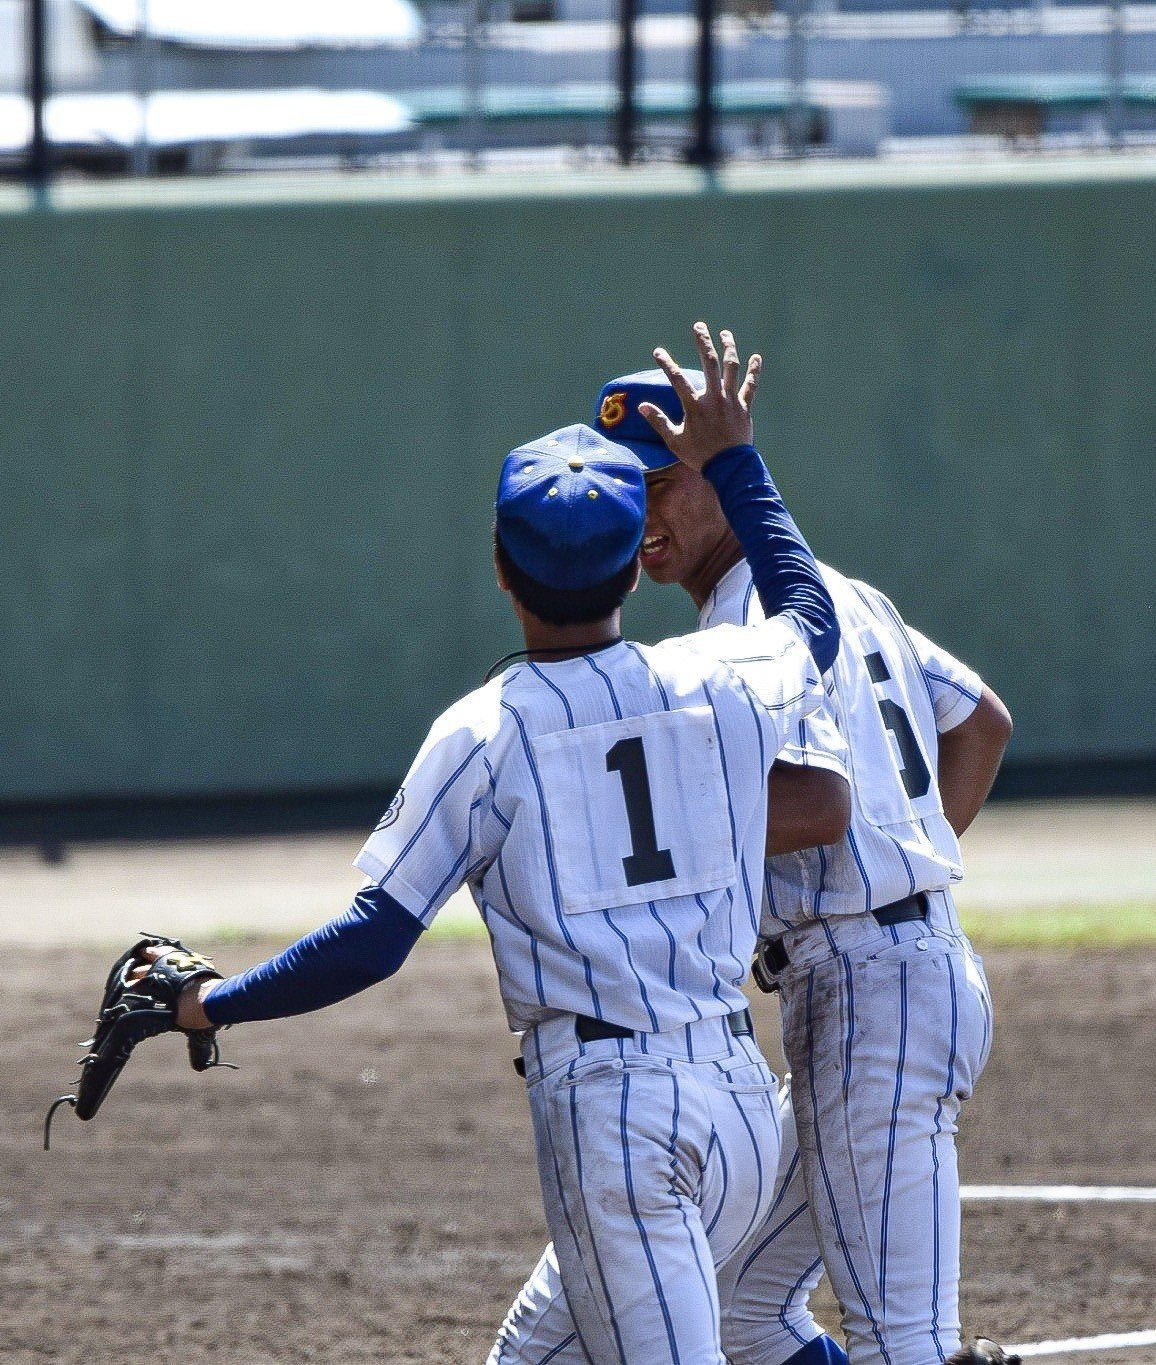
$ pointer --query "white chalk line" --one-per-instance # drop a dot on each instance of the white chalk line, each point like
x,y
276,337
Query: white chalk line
x,y
1111,1341
1062,1194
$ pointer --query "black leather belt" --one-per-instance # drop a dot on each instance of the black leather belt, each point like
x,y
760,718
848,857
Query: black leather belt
x,y
771,955
901,912
591,1030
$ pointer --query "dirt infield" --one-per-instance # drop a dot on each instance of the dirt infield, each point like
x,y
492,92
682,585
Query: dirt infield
x,y
364,1188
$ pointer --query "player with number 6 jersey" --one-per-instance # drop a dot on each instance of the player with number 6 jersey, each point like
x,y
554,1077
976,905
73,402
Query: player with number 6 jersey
x,y
887,1019
886,1013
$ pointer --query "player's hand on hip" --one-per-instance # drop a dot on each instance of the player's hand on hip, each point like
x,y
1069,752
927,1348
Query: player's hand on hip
x,y
720,416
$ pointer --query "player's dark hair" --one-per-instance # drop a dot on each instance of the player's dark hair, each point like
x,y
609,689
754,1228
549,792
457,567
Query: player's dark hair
x,y
566,606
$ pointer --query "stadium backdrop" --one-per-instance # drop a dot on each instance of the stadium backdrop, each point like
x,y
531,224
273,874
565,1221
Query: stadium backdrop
x,y
248,448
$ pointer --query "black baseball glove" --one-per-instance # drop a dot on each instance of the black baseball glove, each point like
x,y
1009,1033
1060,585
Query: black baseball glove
x,y
133,1010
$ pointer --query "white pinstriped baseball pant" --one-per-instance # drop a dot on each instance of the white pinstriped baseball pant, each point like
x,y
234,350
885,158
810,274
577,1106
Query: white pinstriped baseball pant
x,y
657,1161
886,1036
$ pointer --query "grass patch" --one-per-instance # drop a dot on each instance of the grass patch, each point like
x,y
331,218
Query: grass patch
x,y
458,919
1129,924
1125,925
239,936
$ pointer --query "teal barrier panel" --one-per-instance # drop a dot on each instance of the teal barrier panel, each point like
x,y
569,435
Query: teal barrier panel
x,y
249,450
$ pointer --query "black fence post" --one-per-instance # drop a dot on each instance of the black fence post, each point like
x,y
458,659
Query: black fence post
x,y
703,151
627,129
799,110
1115,72
39,167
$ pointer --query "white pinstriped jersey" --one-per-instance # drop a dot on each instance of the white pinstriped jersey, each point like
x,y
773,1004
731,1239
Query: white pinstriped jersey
x,y
608,813
892,692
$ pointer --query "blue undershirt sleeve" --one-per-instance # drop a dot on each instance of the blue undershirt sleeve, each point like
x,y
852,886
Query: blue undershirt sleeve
x,y
355,950
786,576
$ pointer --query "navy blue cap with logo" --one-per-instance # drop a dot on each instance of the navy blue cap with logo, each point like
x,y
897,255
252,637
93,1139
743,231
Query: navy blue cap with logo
x,y
616,414
571,507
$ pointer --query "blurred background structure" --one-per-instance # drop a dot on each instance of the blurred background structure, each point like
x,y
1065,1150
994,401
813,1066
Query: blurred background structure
x,y
282,283
163,85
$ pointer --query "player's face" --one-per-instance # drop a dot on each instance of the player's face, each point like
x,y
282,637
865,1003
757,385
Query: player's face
x,y
685,525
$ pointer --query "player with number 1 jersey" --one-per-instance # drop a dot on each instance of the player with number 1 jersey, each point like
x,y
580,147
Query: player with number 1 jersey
x,y
606,805
608,812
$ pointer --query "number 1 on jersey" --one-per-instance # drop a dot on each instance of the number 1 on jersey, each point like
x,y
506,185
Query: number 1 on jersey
x,y
646,862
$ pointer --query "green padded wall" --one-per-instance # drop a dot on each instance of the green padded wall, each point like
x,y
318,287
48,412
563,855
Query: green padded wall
x,y
248,448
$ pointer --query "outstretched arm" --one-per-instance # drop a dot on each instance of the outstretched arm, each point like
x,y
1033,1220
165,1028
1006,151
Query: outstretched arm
x,y
414,860
347,955
716,438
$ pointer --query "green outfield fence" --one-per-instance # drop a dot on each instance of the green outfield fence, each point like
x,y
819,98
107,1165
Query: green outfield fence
x,y
248,447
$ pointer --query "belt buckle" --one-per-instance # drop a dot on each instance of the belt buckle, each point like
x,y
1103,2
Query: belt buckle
x,y
765,976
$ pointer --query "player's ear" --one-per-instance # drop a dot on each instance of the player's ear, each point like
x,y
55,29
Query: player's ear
x,y
637,573
499,573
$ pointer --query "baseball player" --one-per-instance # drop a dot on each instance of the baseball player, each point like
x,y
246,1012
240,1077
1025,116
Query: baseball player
x,y
606,804
886,1012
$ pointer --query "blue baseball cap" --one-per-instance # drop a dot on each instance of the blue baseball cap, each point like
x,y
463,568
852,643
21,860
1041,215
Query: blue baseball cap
x,y
571,507
616,413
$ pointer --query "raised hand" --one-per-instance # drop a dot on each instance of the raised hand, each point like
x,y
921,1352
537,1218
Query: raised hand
x,y
717,418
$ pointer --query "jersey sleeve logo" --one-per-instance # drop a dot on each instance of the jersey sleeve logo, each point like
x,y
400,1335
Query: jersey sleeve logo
x,y
613,409
393,811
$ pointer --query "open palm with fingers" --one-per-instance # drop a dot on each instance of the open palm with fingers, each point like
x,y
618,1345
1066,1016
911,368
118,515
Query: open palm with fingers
x,y
719,416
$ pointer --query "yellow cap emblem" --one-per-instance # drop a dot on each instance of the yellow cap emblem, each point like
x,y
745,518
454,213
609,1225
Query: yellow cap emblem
x,y
613,409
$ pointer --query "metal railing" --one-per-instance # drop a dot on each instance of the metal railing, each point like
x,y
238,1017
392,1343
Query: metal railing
x,y
730,78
